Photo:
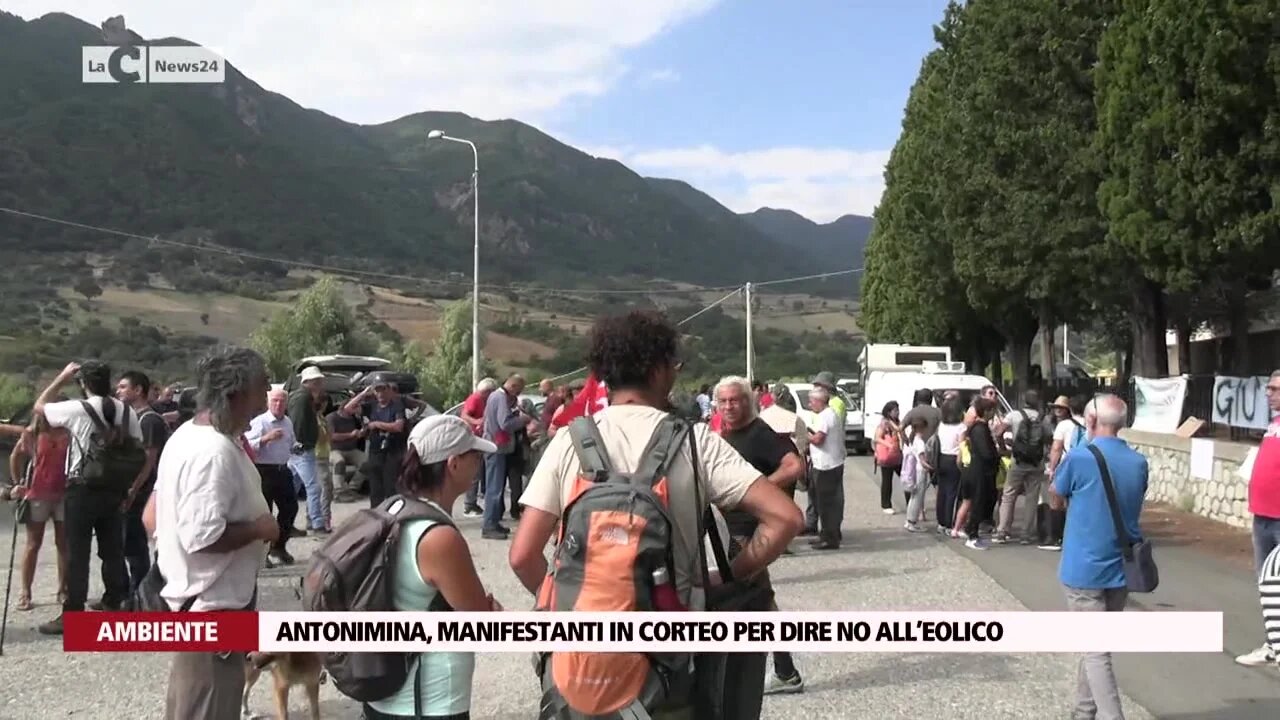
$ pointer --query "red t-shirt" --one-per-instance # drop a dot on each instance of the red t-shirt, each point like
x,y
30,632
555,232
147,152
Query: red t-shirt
x,y
1264,483
474,406
766,399
49,476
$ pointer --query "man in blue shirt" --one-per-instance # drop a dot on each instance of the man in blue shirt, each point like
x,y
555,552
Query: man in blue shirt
x,y
1092,568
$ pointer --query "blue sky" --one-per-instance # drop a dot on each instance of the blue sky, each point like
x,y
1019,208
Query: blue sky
x,y
758,102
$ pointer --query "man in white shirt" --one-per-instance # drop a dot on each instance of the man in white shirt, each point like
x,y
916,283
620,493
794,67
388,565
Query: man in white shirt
x,y
826,450
212,526
92,509
271,437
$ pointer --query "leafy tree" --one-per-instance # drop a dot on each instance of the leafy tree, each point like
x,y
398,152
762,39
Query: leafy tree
x,y
88,287
1188,111
446,375
319,322
1020,181
15,395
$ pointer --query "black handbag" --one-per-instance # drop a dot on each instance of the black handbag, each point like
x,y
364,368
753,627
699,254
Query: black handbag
x,y
722,680
147,597
1140,572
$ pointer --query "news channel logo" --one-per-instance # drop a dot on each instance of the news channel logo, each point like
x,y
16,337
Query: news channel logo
x,y
157,64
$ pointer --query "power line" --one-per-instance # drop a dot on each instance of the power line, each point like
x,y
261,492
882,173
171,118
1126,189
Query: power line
x,y
695,290
352,271
685,321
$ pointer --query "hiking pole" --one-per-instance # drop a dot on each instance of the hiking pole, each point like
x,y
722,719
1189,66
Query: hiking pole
x,y
8,583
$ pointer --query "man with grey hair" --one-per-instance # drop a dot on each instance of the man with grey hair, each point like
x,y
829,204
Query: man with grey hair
x,y
826,450
212,526
270,436
1264,504
1092,567
779,462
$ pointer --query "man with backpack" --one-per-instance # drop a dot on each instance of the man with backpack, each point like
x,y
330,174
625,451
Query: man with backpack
x,y
1031,437
104,458
633,459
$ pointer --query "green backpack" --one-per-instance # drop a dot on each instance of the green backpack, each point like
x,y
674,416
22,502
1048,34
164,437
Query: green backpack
x,y
112,459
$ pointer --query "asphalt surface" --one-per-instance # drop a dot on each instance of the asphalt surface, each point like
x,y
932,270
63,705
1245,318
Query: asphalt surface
x,y
881,567
1174,686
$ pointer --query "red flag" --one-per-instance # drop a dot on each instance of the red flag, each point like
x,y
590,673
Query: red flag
x,y
591,399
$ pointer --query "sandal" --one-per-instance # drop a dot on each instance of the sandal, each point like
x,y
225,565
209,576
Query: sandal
x,y
24,603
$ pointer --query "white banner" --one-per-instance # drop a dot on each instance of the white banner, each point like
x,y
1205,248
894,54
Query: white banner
x,y
1241,402
955,632
1158,403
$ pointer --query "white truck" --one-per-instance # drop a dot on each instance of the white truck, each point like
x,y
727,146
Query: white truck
x,y
896,372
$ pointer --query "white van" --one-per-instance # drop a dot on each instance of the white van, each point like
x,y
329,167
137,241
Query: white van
x,y
896,372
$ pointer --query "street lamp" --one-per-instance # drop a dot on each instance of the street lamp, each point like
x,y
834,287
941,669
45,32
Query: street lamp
x,y
475,271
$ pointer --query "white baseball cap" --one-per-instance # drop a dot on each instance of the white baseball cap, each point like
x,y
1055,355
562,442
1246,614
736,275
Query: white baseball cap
x,y
441,437
311,372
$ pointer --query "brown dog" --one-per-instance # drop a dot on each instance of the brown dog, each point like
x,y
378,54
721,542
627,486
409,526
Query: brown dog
x,y
287,669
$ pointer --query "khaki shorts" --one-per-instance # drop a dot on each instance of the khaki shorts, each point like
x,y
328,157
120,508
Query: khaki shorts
x,y
46,510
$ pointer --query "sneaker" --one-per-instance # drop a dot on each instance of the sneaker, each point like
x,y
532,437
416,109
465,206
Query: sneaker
x,y
472,512
276,558
915,528
976,544
888,511
959,535
1000,538
809,532
321,531
494,534
297,533
1051,546
53,627
943,530
1257,658
104,606
783,686
1026,541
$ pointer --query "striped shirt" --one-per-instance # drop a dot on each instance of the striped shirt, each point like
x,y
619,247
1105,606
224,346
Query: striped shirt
x,y
1269,590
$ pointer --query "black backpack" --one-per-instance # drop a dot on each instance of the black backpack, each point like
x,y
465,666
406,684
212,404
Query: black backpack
x,y
353,572
112,459
1029,441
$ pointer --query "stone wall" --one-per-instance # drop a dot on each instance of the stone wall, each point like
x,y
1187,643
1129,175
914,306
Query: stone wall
x,y
1222,498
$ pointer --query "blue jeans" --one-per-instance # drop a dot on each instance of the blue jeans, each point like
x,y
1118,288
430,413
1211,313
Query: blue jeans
x,y
305,467
495,484
1266,536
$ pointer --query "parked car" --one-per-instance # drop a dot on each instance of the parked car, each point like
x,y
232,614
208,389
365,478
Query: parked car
x,y
854,438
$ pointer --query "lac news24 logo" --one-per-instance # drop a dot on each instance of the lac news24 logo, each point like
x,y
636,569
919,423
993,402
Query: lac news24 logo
x,y
151,64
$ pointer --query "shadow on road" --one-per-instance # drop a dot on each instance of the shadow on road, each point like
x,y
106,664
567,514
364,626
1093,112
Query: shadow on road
x,y
897,669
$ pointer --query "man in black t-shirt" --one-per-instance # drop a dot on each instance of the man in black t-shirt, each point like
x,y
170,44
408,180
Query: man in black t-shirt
x,y
778,460
134,389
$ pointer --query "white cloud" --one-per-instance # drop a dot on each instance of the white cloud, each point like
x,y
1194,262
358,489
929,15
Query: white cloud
x,y
375,61
663,75
820,183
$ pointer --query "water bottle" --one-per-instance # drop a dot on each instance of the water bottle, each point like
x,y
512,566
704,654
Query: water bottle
x,y
665,597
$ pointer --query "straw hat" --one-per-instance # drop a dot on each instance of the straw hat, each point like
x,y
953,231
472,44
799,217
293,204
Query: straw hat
x,y
1062,402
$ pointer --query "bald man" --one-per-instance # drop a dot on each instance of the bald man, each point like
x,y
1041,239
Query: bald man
x,y
271,438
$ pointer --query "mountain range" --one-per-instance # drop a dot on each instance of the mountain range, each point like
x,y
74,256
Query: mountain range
x,y
240,168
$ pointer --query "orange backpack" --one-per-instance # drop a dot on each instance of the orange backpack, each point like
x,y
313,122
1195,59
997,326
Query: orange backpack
x,y
616,534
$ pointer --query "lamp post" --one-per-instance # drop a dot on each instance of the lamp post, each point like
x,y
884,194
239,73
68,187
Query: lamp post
x,y
475,271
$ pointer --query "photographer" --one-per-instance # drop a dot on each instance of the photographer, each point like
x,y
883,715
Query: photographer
x,y
387,436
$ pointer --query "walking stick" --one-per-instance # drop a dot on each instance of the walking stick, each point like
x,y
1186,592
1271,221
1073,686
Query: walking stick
x,y
8,583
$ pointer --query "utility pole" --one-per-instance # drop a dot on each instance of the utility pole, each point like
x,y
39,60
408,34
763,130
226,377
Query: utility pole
x,y
751,349
1066,350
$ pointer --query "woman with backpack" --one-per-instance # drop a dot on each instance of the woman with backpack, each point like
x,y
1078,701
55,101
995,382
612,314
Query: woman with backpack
x,y
888,453
433,564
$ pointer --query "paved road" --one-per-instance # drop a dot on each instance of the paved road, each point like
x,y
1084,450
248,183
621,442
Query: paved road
x,y
1176,687
881,568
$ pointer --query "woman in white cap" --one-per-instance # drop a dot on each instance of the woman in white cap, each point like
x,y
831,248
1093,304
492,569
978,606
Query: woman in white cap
x,y
433,559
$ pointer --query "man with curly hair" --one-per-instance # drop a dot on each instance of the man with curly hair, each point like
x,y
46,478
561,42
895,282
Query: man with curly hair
x,y
637,356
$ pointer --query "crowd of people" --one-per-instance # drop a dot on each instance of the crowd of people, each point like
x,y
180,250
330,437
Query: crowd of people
x,y
218,487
